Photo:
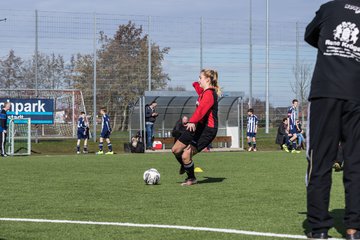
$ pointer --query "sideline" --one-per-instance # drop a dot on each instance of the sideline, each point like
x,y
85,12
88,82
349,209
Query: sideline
x,y
204,229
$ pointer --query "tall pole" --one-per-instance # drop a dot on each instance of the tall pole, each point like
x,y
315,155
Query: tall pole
x,y
94,79
267,67
36,53
201,43
149,54
250,56
297,62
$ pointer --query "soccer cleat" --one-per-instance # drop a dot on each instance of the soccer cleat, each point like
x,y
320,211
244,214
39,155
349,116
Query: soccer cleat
x,y
285,148
295,151
189,182
78,152
100,152
109,153
312,235
254,150
4,155
250,149
85,152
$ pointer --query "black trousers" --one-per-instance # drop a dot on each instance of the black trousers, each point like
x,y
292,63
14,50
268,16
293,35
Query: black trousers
x,y
332,121
2,143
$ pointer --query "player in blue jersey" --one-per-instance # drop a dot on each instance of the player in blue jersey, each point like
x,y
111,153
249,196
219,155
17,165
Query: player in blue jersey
x,y
3,128
252,127
105,132
82,132
292,130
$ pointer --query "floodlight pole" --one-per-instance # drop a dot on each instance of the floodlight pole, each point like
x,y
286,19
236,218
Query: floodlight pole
x,y
250,56
94,76
267,68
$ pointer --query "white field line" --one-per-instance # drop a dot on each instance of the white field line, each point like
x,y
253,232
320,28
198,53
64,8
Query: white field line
x,y
204,229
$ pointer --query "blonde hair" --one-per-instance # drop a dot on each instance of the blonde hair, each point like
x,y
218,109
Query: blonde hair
x,y
213,75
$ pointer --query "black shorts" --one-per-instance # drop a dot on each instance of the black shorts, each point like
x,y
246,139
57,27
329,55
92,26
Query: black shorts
x,y
200,139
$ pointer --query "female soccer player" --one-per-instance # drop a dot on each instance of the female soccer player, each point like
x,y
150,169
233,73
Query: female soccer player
x,y
202,126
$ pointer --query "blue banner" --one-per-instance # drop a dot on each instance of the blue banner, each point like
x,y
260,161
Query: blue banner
x,y
40,111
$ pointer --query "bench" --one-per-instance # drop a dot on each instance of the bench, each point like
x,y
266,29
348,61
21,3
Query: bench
x,y
217,139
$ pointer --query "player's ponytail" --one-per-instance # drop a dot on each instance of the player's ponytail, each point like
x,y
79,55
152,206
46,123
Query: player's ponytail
x,y
213,75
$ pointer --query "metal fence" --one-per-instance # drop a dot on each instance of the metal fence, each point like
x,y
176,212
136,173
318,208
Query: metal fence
x,y
47,47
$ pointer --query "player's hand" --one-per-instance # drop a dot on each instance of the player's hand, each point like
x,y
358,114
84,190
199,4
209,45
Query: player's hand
x,y
191,127
4,131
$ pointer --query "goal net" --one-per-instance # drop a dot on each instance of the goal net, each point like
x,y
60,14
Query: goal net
x,y
19,137
68,104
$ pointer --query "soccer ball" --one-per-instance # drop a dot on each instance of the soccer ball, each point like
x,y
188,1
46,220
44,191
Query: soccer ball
x,y
151,176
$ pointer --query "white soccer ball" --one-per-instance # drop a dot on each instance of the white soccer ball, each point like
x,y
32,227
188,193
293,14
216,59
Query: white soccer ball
x,y
151,176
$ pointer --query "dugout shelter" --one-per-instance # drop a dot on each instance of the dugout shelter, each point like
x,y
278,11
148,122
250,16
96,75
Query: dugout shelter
x,y
172,105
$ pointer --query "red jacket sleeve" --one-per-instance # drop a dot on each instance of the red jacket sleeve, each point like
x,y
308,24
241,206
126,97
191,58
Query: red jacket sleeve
x,y
205,104
197,87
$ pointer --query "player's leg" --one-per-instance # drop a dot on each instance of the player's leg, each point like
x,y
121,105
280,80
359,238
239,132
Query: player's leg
x,y
184,140
254,142
324,118
248,141
78,146
85,145
350,145
203,137
109,145
187,155
2,144
101,145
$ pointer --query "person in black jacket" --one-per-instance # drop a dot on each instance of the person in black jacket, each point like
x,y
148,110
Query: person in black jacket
x,y
179,127
334,114
282,137
150,118
3,128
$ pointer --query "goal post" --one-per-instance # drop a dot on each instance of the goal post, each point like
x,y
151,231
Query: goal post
x,y
19,137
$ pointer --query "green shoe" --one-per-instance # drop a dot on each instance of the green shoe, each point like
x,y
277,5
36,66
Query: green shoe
x,y
109,153
285,148
100,152
295,151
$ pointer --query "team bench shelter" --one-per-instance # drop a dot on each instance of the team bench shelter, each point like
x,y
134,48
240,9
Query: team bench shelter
x,y
172,105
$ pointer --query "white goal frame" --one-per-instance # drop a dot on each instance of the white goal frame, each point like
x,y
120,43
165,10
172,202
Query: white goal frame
x,y
12,138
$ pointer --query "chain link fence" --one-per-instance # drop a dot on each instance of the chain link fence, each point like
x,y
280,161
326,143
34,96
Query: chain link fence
x,y
127,55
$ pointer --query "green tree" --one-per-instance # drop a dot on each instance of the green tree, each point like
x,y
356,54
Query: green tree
x,y
122,71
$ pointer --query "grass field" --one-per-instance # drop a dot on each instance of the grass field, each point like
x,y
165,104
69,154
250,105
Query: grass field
x,y
262,192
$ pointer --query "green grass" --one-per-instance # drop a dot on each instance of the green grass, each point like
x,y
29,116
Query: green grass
x,y
68,146
261,191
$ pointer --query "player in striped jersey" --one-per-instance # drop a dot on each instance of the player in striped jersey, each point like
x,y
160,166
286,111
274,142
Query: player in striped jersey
x,y
292,130
252,127
105,132
82,132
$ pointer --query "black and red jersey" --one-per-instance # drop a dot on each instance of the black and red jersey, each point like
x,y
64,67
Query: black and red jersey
x,y
206,107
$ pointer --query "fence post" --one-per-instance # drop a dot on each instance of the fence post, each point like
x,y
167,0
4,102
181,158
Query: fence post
x,y
94,75
36,53
149,54
201,43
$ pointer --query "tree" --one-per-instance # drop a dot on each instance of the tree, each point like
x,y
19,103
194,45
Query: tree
x,y
122,70
301,86
11,71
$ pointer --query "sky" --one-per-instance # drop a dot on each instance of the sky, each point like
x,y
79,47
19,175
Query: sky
x,y
279,10
222,50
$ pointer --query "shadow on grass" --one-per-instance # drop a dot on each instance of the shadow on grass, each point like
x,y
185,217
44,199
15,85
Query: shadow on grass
x,y
211,180
338,216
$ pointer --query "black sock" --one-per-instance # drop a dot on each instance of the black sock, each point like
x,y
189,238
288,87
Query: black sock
x,y
179,159
78,148
189,168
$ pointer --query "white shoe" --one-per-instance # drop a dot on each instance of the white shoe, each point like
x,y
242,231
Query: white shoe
x,y
77,152
250,149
